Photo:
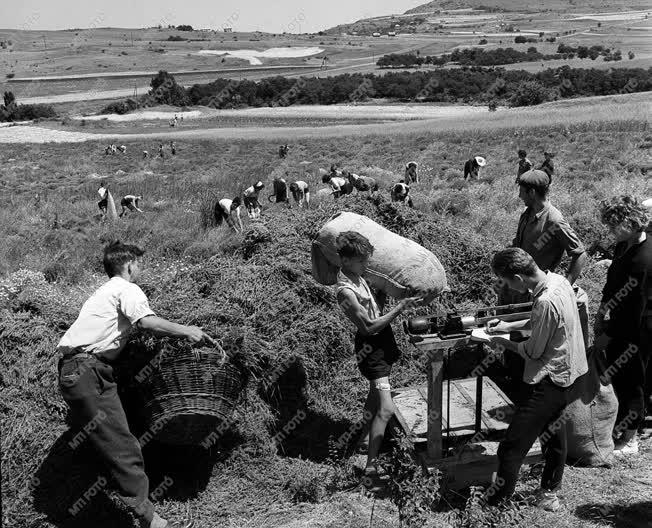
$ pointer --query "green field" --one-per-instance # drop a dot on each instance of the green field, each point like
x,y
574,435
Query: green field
x,y
259,283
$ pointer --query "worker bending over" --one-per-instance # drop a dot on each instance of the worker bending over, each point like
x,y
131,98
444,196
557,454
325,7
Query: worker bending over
x,y
300,192
400,192
227,209
251,201
130,202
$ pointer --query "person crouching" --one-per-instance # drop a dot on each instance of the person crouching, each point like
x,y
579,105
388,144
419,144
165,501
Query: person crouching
x,y
400,192
227,209
300,192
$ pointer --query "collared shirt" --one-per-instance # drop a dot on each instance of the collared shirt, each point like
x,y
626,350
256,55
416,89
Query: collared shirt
x,y
337,183
106,318
226,203
251,192
556,345
301,186
627,293
545,236
362,293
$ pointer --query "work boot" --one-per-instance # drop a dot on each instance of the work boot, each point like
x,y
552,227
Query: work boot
x,y
627,446
546,500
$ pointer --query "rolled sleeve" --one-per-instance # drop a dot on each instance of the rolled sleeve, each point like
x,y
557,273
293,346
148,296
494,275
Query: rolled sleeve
x,y
544,318
568,239
134,304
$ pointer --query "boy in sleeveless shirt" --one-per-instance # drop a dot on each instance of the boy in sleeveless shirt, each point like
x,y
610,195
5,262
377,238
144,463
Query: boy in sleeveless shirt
x,y
375,345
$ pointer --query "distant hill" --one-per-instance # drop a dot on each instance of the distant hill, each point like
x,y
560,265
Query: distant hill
x,y
422,19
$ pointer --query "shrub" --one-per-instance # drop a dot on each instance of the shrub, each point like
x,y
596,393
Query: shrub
x,y
120,107
530,93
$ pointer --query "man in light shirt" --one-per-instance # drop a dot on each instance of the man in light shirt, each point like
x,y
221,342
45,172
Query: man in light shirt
x,y
86,352
554,358
103,191
300,192
227,209
251,201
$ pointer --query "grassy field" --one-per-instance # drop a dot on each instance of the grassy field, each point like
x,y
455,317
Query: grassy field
x,y
260,284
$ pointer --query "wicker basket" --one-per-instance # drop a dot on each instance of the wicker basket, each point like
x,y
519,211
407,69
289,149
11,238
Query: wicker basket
x,y
189,394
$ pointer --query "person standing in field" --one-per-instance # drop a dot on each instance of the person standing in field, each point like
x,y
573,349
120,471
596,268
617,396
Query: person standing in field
x,y
300,192
375,346
226,209
411,175
86,354
547,165
472,167
627,298
130,202
400,192
103,191
173,148
161,153
524,164
251,201
554,357
546,236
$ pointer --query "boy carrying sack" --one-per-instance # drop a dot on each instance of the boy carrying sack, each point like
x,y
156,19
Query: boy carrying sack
x,y
375,346
86,380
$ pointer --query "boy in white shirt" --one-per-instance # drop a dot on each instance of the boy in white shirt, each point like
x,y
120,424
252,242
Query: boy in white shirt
x,y
86,378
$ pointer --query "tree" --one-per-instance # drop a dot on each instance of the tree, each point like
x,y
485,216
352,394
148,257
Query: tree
x,y
530,93
10,98
631,55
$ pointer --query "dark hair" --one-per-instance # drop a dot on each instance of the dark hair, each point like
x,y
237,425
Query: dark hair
x,y
236,201
540,190
624,208
294,187
522,153
117,254
326,178
351,244
511,261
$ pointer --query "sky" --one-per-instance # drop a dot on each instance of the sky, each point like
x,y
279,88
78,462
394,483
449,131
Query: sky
x,y
293,16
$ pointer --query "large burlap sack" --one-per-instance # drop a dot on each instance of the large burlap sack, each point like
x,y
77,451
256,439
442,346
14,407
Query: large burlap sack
x,y
396,266
591,417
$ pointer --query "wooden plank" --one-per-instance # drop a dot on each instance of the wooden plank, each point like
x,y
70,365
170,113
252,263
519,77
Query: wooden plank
x,y
435,379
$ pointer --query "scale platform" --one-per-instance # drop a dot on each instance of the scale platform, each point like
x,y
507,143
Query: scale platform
x,y
469,446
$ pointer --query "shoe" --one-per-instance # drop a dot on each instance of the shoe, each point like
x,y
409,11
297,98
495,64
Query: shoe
x,y
547,500
629,448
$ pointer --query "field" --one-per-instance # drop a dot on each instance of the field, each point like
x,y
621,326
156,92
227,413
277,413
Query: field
x,y
100,54
260,284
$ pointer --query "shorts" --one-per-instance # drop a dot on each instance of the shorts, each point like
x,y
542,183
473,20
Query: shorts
x,y
250,202
375,354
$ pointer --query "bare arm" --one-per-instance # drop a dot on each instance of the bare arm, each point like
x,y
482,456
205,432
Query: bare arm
x,y
163,327
576,266
358,315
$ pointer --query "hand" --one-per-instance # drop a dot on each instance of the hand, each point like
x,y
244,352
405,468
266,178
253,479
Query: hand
x,y
496,326
410,302
194,334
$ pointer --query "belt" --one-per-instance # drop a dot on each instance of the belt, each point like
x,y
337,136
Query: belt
x,y
81,355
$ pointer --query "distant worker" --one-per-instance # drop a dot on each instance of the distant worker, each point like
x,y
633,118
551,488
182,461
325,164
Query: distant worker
x,y
547,166
103,191
280,194
122,149
472,167
283,151
400,192
160,151
114,149
300,192
524,164
411,175
251,199
145,154
130,202
226,209
339,185
173,148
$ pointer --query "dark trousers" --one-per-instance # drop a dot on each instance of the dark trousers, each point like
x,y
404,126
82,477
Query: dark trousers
x,y
89,389
627,365
539,415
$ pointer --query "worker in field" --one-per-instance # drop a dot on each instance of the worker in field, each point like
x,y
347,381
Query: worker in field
x,y
161,153
280,191
524,164
411,175
173,148
87,352
145,154
375,346
546,236
400,192
122,149
339,185
103,191
227,209
626,335
472,167
300,192
547,165
554,358
251,201
130,202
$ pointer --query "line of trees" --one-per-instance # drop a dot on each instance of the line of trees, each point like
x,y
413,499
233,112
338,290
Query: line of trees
x,y
10,110
463,85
